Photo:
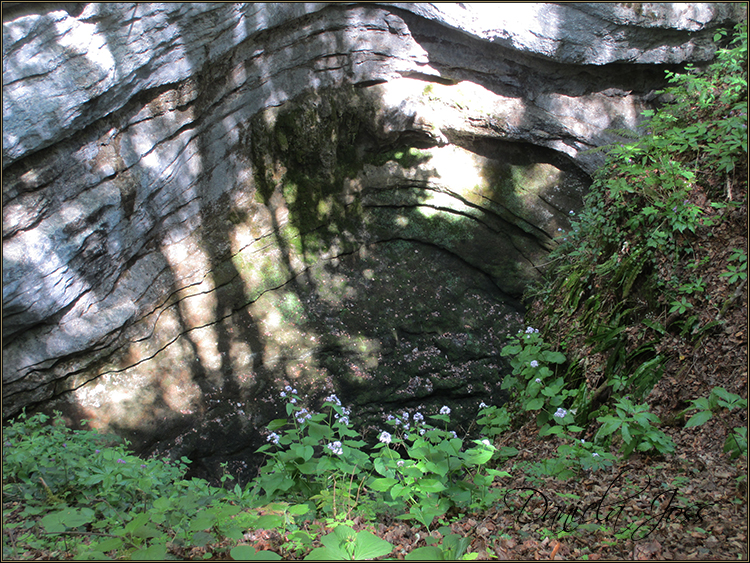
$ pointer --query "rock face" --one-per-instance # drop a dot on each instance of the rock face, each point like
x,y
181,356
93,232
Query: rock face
x,y
205,202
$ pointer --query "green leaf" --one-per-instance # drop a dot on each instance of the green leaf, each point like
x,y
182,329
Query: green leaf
x,y
609,425
202,539
383,484
156,551
553,357
701,417
299,509
249,553
277,423
318,431
369,546
627,438
507,451
53,523
202,521
430,485
534,404
268,521
426,553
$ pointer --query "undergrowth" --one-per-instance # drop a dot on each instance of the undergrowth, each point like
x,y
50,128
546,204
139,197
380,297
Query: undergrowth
x,y
626,279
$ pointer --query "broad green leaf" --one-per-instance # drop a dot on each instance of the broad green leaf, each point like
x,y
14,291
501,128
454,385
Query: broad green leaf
x,y
430,485
369,546
268,521
610,424
506,451
108,544
427,553
157,551
53,523
383,484
626,433
318,431
202,521
249,553
701,417
278,423
299,509
202,539
534,404
554,357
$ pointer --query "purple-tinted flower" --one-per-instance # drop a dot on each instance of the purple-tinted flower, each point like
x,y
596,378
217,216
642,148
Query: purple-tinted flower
x,y
335,447
445,410
121,461
534,363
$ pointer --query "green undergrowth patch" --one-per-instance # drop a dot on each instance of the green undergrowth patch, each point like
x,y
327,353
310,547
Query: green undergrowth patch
x,y
631,275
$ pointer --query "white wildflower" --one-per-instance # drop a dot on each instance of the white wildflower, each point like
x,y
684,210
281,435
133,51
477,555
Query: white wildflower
x,y
273,437
445,410
335,447
482,405
561,412
534,363
385,437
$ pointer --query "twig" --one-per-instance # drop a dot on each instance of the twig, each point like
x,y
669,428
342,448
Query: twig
x,y
732,299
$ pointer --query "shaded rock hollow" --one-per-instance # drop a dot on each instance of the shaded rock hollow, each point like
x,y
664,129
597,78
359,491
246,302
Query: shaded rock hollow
x,y
204,203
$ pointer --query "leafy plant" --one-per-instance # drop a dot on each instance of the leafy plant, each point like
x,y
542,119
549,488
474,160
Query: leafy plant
x,y
452,548
736,272
719,398
343,543
75,485
532,379
636,428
